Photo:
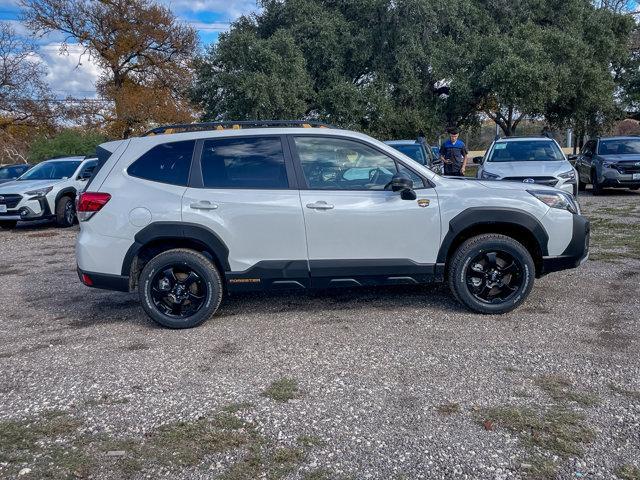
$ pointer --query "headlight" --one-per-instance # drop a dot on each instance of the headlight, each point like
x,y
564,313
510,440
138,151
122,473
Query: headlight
x,y
41,192
561,200
488,176
607,164
570,175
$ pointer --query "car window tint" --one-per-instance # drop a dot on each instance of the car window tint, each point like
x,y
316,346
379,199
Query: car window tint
x,y
619,147
166,163
88,168
339,164
417,181
414,152
255,162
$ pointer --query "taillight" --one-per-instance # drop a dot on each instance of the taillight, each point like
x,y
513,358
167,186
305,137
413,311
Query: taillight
x,y
90,203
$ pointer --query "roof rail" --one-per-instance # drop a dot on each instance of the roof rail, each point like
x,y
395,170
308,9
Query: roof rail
x,y
234,125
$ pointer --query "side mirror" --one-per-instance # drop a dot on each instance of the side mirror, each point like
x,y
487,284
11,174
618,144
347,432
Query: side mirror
x,y
477,160
404,185
401,182
84,176
572,158
588,154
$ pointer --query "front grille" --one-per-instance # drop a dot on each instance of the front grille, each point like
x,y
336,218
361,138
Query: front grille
x,y
548,181
627,169
11,200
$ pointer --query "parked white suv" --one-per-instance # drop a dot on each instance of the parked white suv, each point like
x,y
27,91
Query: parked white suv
x,y
46,191
187,217
536,160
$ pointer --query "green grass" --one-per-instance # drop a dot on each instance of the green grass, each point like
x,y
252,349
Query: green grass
x,y
282,390
561,390
448,408
557,430
632,394
628,472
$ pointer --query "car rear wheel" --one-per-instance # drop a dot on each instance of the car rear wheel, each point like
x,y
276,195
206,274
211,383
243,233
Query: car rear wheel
x,y
8,224
491,274
180,288
65,212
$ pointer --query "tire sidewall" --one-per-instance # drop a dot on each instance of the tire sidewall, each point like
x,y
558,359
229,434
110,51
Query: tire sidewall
x,y
512,248
61,208
207,272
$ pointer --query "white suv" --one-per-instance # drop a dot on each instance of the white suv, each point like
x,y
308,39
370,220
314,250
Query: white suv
x,y
187,217
537,160
46,191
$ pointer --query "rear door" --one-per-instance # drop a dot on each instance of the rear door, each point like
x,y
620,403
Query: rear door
x,y
243,188
358,232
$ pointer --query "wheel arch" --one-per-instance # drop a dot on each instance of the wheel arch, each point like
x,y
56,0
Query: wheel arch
x,y
517,224
70,192
159,237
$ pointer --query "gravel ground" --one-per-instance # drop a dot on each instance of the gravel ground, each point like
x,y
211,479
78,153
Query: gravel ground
x,y
372,383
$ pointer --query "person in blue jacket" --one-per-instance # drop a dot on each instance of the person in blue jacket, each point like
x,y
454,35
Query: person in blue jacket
x,y
453,153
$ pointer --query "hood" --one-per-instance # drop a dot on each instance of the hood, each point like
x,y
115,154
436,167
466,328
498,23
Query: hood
x,y
527,169
25,185
621,158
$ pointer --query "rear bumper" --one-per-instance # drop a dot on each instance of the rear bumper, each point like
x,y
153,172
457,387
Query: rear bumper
x,y
104,281
576,252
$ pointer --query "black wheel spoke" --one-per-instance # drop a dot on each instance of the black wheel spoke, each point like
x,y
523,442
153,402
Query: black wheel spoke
x,y
191,279
178,291
170,275
494,277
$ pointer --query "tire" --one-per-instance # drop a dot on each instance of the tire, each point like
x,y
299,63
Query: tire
x,y
65,212
464,272
634,188
597,189
581,186
171,306
8,224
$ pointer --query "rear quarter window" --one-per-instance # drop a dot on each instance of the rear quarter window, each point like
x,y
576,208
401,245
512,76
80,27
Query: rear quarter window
x,y
166,163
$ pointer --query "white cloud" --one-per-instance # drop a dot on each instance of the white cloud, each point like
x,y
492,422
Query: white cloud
x,y
226,9
70,72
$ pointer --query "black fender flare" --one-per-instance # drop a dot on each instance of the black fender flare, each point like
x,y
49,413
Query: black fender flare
x,y
65,193
177,231
475,216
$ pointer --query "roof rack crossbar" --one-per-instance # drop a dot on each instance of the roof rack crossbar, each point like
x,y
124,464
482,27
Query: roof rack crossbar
x,y
234,125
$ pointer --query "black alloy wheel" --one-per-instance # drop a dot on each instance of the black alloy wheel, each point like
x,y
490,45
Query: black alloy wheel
x,y
180,288
178,291
494,277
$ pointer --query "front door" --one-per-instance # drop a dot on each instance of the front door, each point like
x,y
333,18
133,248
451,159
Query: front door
x,y
359,231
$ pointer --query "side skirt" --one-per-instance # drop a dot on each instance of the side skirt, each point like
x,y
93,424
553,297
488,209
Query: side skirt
x,y
320,274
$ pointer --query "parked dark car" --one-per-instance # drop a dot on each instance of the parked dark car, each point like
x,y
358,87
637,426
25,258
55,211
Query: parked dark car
x,y
11,172
609,162
420,152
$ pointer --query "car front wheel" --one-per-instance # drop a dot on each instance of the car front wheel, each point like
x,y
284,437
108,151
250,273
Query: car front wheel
x,y
180,288
491,274
65,212
597,188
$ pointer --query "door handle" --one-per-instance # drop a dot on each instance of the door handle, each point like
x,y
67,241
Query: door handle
x,y
321,205
203,205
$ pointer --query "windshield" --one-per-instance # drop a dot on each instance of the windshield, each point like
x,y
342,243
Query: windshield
x,y
10,172
412,151
51,171
619,147
526,151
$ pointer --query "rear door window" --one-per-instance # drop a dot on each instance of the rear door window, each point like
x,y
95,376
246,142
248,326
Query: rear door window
x,y
166,163
250,162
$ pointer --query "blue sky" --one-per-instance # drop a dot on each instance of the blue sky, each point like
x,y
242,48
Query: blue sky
x,y
70,75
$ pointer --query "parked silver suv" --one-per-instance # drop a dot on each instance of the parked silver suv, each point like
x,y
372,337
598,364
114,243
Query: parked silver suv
x,y
534,160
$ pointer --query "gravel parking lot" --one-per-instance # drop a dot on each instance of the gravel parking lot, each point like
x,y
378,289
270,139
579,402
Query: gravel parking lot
x,y
388,383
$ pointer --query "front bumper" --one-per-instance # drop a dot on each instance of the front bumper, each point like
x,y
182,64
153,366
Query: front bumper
x,y
28,209
576,252
612,178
